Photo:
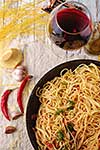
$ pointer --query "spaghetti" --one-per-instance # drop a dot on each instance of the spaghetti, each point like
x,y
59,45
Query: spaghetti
x,y
69,116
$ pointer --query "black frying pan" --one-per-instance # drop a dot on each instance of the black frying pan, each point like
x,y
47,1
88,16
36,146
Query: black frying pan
x,y
33,103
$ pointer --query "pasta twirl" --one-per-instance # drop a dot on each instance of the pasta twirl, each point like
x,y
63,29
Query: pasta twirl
x,y
69,116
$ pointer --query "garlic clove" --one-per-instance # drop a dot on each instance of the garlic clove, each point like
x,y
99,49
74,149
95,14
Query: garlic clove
x,y
18,72
17,77
21,67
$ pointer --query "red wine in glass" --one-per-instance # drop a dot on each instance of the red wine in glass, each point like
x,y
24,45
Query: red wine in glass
x,y
70,27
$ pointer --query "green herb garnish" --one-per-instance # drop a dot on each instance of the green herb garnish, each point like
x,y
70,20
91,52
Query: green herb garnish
x,y
59,111
71,102
70,108
70,127
60,135
71,105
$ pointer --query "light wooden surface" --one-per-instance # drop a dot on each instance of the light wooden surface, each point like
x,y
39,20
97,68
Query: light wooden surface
x,y
39,56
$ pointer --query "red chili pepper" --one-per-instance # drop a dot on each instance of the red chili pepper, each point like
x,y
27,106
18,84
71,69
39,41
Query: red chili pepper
x,y
20,91
4,100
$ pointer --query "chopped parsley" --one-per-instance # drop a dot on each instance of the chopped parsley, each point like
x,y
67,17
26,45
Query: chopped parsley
x,y
70,127
59,111
71,105
70,108
71,102
60,135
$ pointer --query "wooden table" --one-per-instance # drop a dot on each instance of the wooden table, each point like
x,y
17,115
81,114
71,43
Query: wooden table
x,y
40,55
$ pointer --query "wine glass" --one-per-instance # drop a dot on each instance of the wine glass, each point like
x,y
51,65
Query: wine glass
x,y
70,25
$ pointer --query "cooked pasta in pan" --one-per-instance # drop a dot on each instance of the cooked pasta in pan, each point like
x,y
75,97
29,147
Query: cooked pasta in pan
x,y
69,115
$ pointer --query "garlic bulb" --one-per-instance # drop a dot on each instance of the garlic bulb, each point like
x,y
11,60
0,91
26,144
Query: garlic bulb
x,y
19,73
